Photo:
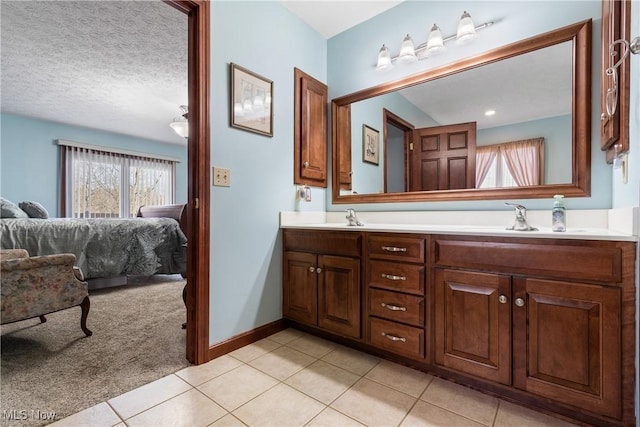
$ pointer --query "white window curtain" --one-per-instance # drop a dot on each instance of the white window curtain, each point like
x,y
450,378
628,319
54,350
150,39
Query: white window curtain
x,y
525,160
102,184
515,163
485,156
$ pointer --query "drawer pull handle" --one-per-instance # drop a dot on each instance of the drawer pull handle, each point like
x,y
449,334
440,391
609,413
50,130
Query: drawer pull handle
x,y
393,337
392,277
393,249
393,307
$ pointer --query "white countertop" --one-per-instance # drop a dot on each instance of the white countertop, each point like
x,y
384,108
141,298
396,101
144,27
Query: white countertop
x,y
606,224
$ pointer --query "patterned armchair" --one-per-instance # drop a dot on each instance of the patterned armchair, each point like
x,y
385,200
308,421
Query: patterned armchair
x,y
38,285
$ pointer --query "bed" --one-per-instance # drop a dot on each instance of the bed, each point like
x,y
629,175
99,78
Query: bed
x,y
152,243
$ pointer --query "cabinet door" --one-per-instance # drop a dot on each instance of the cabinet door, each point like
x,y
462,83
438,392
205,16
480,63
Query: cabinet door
x,y
567,343
310,137
339,295
473,323
300,288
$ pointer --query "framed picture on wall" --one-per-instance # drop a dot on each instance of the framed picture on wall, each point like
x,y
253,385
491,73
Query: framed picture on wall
x,y
370,145
251,98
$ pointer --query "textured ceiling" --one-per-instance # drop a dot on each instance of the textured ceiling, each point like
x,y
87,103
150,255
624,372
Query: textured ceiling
x,y
119,66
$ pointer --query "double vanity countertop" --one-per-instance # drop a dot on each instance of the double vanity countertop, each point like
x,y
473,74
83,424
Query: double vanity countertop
x,y
600,224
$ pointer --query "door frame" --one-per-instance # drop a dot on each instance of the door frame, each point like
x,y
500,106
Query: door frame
x,y
198,192
389,118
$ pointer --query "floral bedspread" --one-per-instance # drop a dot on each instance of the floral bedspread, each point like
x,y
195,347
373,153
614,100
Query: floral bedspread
x,y
103,248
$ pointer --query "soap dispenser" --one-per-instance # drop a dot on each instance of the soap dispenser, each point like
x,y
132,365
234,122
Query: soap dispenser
x,y
558,215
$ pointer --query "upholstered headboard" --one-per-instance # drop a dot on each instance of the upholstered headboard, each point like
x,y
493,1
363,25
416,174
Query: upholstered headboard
x,y
177,212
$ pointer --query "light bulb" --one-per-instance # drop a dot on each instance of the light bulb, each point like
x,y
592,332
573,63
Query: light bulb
x,y
384,59
466,29
407,51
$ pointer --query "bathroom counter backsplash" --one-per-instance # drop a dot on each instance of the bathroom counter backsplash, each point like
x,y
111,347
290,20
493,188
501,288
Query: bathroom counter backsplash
x,y
596,224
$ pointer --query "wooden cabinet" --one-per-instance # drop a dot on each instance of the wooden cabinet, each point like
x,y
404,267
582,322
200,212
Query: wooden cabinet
x,y
395,294
546,322
473,323
547,328
566,341
310,130
322,281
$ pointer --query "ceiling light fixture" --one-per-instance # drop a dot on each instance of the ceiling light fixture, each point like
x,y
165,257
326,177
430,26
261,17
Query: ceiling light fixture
x,y
180,124
434,44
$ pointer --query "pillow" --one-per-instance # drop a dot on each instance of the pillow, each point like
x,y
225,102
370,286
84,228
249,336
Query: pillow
x,y
9,209
34,210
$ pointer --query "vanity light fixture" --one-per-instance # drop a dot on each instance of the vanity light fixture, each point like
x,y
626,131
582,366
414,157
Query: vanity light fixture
x,y
179,124
435,43
611,99
490,113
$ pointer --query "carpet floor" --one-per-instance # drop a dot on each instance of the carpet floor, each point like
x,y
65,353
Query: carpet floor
x,y
53,368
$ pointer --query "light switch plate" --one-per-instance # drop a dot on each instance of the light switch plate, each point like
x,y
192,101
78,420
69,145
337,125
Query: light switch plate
x,y
221,177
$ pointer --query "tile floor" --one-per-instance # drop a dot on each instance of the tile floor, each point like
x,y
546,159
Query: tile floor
x,y
295,379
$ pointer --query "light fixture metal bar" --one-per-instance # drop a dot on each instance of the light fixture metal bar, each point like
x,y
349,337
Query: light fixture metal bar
x,y
423,46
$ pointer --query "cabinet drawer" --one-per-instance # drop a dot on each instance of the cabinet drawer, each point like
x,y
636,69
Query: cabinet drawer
x,y
409,249
598,261
397,338
346,243
397,277
396,306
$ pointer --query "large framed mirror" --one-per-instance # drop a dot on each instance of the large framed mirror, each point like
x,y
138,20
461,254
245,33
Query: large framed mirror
x,y
436,143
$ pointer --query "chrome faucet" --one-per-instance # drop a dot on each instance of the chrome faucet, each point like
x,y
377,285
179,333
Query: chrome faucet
x,y
352,218
521,219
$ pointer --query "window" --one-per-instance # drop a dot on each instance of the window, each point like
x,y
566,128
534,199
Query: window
x,y
103,184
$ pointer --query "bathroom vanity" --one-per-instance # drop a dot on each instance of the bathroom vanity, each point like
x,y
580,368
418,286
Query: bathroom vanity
x,y
546,320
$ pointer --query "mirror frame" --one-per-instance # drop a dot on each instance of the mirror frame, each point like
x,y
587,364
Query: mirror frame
x,y
580,186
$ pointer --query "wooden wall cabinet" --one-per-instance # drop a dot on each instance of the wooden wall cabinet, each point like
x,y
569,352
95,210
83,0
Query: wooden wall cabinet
x,y
310,130
322,281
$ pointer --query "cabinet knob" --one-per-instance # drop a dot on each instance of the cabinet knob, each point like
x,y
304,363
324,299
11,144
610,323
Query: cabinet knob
x,y
318,270
519,302
502,299
312,269
305,165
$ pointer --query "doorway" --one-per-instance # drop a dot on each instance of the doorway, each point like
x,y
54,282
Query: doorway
x,y
198,192
397,135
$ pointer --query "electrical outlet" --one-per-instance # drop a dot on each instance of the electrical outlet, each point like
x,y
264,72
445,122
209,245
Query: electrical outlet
x,y
221,177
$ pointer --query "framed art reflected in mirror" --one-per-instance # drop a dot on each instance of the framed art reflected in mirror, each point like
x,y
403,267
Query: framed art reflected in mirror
x,y
370,145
